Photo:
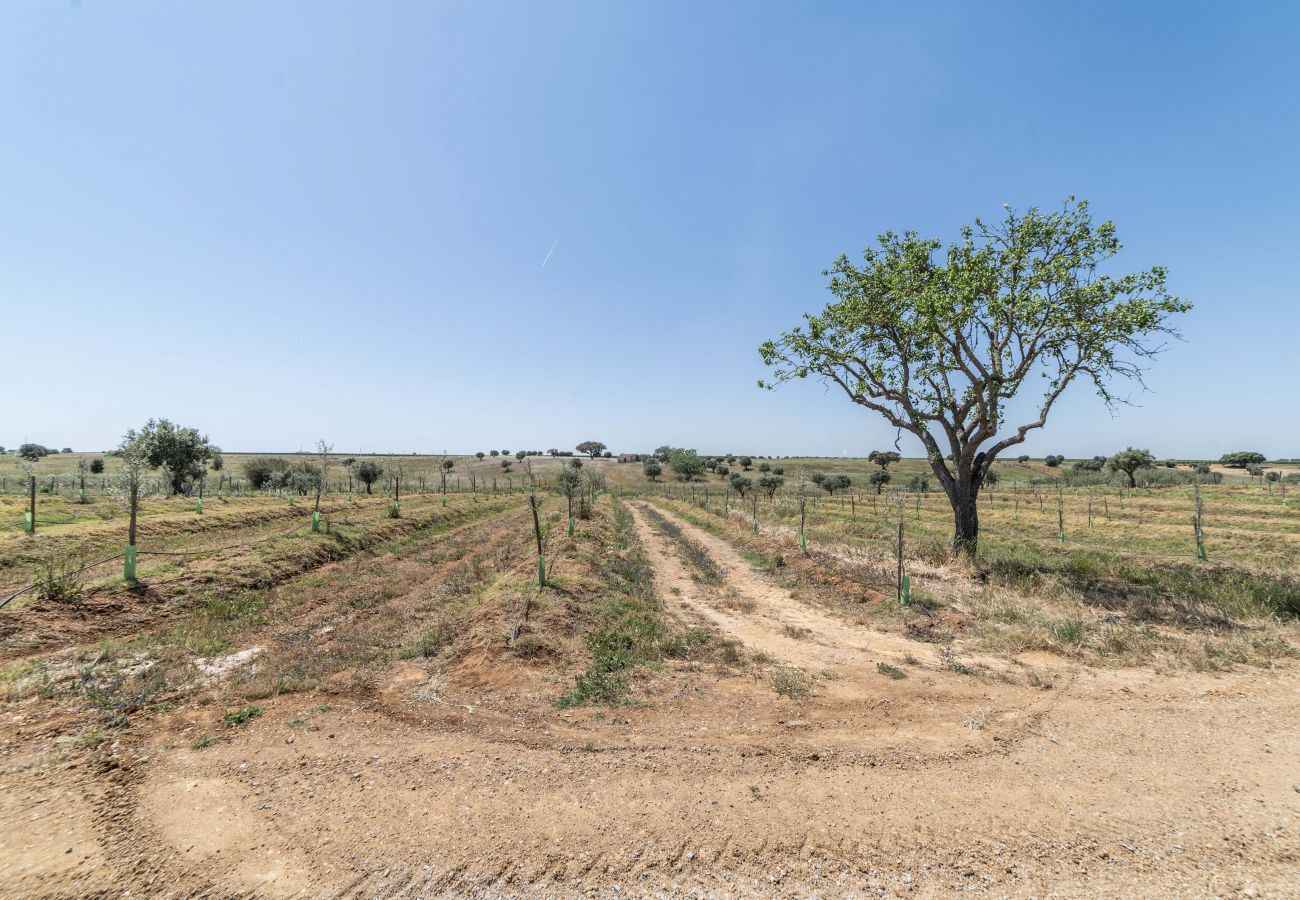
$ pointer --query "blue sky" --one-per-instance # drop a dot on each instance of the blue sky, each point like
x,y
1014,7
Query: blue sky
x,y
284,221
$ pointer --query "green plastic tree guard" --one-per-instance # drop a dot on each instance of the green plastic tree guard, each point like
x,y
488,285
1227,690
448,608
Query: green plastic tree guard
x,y
28,524
198,507
315,521
128,566
570,526
905,594
541,571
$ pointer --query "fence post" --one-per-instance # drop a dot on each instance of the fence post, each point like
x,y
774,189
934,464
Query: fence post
x,y
31,512
537,530
1198,521
902,582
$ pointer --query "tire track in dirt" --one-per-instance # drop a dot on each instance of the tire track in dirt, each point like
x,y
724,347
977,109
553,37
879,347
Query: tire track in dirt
x,y
764,615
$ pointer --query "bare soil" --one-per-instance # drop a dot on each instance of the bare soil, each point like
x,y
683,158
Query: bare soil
x,y
1031,777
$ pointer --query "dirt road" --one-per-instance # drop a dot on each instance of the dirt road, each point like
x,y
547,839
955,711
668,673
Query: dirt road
x,y
1108,783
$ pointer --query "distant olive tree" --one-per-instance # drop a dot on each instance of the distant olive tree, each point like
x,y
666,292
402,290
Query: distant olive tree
x,y
181,451
591,448
96,466
770,484
652,469
686,464
368,472
1241,459
1129,461
740,484
883,458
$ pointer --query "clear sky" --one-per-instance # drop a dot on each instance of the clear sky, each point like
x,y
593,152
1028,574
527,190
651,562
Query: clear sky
x,y
284,221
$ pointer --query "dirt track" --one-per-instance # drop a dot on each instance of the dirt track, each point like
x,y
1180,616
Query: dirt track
x,y
1110,783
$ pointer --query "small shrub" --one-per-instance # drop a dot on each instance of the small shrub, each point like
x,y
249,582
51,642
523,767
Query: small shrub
x,y
890,671
59,580
1069,631
792,682
242,716
532,646
203,743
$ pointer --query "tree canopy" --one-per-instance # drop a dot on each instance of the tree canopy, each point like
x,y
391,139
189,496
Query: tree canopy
x,y
687,465
182,451
1129,461
1241,459
939,341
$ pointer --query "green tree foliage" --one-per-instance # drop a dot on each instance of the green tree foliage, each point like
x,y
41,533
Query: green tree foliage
x,y
480,454
687,465
746,463
1053,460
33,452
260,469
764,467
652,469
1238,460
182,451
883,458
591,448
740,484
368,472
939,342
770,484
1096,464
880,478
521,454
96,467
1129,461
1022,458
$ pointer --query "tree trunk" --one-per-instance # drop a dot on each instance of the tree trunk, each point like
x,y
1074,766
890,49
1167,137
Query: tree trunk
x,y
963,490
966,519
135,504
1132,482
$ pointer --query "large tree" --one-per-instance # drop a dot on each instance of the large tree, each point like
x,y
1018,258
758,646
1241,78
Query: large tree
x,y
591,448
182,451
1129,461
941,341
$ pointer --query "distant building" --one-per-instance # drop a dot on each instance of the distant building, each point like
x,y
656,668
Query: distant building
x,y
629,457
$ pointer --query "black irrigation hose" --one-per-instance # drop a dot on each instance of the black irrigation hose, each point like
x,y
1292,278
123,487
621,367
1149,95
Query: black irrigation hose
x,y
19,593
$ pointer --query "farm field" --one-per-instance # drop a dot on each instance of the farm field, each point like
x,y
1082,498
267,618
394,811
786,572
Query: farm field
x,y
390,706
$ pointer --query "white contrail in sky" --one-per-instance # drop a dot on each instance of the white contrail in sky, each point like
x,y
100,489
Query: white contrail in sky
x,y
556,244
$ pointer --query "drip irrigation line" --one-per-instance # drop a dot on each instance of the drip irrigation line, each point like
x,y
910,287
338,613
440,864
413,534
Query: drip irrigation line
x,y
140,552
